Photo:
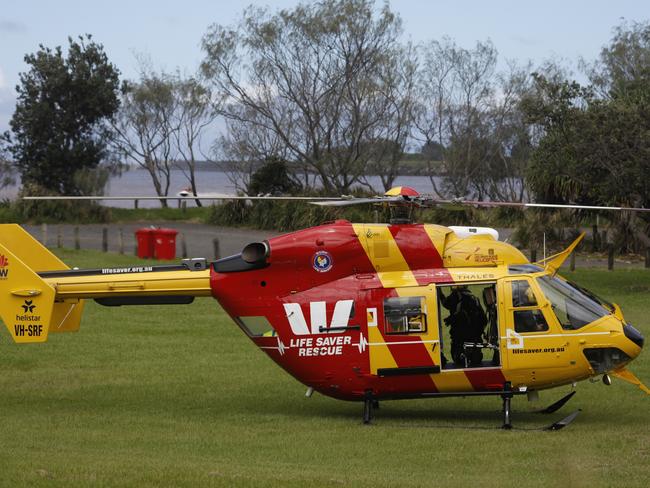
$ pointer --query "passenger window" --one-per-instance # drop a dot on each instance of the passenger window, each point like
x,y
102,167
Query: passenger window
x,y
403,315
529,321
522,294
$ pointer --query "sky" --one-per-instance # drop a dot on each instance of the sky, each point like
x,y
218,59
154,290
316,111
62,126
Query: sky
x,y
169,33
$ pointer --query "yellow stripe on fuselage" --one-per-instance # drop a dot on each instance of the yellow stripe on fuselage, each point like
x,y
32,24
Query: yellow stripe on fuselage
x,y
380,355
437,234
393,271
384,254
452,381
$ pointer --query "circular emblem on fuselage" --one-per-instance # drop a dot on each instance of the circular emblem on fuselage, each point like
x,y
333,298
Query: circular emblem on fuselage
x,y
322,261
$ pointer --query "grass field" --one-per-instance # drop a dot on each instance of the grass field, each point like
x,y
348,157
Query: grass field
x,y
178,396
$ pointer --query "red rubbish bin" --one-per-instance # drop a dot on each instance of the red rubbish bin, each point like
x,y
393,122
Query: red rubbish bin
x,y
164,243
145,238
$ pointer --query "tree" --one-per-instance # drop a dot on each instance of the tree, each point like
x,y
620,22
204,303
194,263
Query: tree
x,y
456,88
59,127
145,127
594,151
595,147
241,151
194,114
317,79
509,138
6,171
469,121
390,136
624,62
273,178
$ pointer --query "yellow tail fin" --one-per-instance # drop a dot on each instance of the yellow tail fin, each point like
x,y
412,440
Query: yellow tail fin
x,y
27,302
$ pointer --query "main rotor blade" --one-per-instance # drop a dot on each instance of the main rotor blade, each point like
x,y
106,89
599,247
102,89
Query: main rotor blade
x,y
479,203
206,196
358,201
343,201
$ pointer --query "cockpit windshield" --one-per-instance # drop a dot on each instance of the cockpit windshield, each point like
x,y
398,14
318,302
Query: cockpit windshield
x,y
573,307
607,305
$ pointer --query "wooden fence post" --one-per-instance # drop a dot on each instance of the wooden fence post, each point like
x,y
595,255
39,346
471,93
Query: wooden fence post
x,y
183,246
59,237
533,255
595,243
120,241
44,234
77,240
215,244
610,257
647,257
105,239
572,262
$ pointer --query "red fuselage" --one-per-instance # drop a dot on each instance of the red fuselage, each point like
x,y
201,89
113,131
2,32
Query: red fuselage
x,y
292,285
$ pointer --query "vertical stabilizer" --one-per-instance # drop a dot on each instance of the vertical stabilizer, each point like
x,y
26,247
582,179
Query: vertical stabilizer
x,y
24,258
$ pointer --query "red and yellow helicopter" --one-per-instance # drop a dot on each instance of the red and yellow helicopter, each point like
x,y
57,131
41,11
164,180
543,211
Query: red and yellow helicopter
x,y
363,312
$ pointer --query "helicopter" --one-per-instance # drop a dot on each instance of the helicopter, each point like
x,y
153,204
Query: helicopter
x,y
364,312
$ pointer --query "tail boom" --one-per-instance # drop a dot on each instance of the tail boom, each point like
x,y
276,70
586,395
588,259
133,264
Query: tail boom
x,y
145,283
40,294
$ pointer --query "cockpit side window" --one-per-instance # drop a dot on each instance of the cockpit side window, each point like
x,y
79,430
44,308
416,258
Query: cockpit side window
x,y
530,321
572,308
522,294
527,317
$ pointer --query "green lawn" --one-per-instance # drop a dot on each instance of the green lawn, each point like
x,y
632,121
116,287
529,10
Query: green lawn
x,y
178,396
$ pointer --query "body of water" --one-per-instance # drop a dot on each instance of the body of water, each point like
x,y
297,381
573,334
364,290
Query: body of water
x,y
138,183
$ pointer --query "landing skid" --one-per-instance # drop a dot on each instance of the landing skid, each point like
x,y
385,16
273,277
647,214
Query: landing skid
x,y
554,407
370,404
560,424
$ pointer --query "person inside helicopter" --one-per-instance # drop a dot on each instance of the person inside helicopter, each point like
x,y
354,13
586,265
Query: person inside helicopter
x,y
466,322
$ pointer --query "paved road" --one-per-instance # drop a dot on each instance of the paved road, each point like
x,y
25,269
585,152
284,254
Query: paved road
x,y
198,237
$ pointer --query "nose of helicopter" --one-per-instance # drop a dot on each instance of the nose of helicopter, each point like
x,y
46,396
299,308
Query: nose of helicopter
x,y
633,334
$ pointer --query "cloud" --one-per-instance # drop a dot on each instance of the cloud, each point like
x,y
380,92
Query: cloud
x,y
11,26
